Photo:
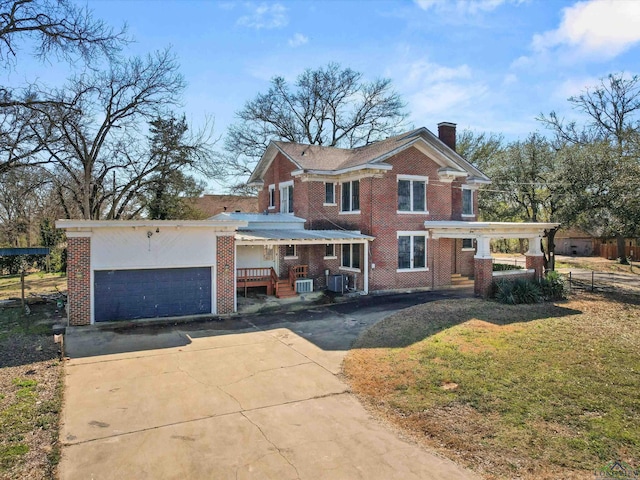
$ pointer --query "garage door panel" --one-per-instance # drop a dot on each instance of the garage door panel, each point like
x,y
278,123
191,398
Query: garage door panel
x,y
150,293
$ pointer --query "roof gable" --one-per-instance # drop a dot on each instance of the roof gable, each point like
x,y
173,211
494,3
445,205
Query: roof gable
x,y
332,160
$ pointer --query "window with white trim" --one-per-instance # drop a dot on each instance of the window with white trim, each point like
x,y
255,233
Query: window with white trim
x,y
412,252
329,193
290,251
467,244
350,196
272,196
286,197
330,251
412,193
351,255
467,202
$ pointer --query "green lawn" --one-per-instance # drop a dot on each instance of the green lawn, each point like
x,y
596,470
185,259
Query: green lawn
x,y
539,391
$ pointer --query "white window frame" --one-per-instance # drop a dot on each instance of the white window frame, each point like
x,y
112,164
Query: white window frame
x,y
330,257
295,253
272,196
413,178
413,234
285,205
329,204
350,211
352,246
470,190
468,249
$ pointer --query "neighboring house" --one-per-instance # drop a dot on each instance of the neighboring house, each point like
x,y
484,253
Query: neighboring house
x,y
397,214
210,204
573,241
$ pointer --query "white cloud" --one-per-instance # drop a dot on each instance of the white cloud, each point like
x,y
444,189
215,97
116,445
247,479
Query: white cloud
x,y
604,28
297,40
264,16
510,79
464,6
436,91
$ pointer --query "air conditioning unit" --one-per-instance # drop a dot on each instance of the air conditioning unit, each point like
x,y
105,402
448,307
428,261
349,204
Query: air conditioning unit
x,y
304,285
337,283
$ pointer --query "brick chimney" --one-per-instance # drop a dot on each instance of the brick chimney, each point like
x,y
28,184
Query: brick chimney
x,y
447,133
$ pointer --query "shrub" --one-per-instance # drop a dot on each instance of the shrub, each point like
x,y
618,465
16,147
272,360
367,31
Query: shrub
x,y
517,291
501,267
553,287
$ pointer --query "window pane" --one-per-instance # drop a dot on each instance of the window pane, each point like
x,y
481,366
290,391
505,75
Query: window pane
x,y
355,195
329,250
272,197
419,196
290,194
466,202
404,252
290,251
346,255
328,193
419,252
346,195
467,243
356,256
404,195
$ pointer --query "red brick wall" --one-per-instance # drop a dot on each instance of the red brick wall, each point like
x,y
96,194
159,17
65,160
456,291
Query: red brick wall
x,y
79,280
225,274
279,171
379,218
536,262
483,276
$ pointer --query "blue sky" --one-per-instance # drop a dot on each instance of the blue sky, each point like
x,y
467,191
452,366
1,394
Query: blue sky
x,y
487,65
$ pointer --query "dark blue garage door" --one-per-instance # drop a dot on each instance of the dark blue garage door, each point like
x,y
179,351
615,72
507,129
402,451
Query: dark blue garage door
x,y
131,294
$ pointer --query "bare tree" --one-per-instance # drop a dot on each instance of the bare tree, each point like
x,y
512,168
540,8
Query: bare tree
x,y
609,140
330,106
101,157
47,28
58,27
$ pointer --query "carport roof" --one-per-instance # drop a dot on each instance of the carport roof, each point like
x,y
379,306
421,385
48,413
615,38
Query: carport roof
x,y
299,237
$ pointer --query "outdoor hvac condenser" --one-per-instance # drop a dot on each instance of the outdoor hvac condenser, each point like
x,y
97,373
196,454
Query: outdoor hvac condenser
x,y
337,283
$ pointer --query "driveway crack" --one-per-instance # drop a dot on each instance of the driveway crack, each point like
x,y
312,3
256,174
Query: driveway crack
x,y
273,444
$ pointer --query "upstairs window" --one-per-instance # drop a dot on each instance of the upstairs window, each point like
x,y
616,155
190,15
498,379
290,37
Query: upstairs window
x,y
329,193
351,196
272,196
286,197
467,202
412,194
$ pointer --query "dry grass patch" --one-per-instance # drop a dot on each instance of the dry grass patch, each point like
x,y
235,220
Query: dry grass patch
x,y
35,283
30,394
529,391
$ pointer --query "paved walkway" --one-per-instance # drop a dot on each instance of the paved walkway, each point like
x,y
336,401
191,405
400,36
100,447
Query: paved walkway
x,y
258,403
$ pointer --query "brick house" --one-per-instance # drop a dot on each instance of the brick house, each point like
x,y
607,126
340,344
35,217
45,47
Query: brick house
x,y
410,201
397,214
387,191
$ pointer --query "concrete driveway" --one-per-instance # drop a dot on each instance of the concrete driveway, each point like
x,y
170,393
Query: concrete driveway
x,y
235,400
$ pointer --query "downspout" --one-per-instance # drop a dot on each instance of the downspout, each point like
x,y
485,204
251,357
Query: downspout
x,y
366,269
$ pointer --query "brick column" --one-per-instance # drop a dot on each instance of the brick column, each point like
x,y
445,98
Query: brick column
x,y
483,276
482,268
535,258
225,274
79,280
536,262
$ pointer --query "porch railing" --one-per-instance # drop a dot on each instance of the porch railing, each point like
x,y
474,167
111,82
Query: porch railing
x,y
296,272
256,277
